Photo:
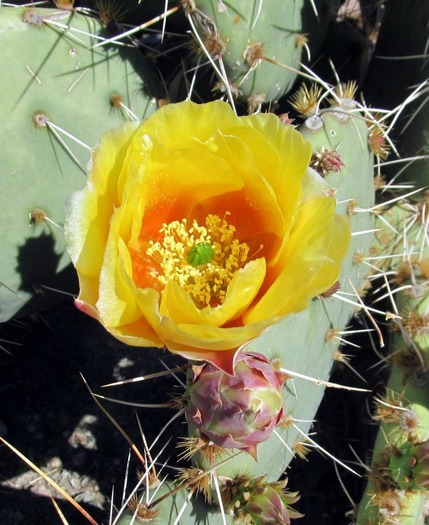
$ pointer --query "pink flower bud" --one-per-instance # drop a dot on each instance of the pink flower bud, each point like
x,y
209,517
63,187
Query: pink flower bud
x,y
240,410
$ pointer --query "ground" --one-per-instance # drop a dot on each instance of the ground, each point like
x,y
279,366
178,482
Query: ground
x,y
47,413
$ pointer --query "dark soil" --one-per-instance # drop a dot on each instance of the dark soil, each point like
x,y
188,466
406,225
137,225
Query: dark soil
x,y
47,413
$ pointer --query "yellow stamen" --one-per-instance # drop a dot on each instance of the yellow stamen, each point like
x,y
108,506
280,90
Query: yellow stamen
x,y
206,282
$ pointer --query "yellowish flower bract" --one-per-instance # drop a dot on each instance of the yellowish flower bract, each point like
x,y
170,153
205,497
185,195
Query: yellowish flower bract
x,y
198,229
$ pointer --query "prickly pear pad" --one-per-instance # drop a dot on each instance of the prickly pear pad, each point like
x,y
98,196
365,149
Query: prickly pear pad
x,y
56,102
190,177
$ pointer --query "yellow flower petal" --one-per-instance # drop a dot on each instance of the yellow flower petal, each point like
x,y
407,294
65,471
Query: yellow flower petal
x,y
199,338
243,288
309,264
198,175
284,162
89,210
189,125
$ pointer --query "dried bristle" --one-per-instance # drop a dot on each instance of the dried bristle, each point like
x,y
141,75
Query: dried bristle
x,y
380,182
194,445
301,40
390,505
302,450
191,446
37,216
116,101
253,54
403,272
195,478
40,119
32,17
67,5
142,511
326,161
229,491
331,334
305,100
340,357
346,90
222,88
352,207
214,44
377,142
254,102
150,479
286,421
388,408
380,476
110,11
188,6
416,324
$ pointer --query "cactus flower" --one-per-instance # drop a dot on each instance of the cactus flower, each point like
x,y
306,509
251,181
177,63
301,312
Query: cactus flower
x,y
199,229
237,411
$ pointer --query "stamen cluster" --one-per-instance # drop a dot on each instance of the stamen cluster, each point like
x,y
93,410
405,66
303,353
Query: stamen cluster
x,y
206,282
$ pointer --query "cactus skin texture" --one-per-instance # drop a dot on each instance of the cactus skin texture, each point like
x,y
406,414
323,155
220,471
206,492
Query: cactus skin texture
x,y
253,43
397,490
48,75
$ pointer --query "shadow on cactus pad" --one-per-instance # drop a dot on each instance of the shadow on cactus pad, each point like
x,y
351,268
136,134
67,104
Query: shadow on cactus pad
x,y
37,265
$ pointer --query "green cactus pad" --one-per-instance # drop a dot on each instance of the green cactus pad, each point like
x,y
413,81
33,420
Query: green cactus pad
x,y
51,80
255,43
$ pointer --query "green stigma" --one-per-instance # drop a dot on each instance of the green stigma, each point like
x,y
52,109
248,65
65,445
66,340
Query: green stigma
x,y
201,253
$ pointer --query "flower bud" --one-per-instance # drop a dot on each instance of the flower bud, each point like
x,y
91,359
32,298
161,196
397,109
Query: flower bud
x,y
255,501
240,410
268,508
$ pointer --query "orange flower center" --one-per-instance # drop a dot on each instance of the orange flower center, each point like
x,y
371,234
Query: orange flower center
x,y
201,259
